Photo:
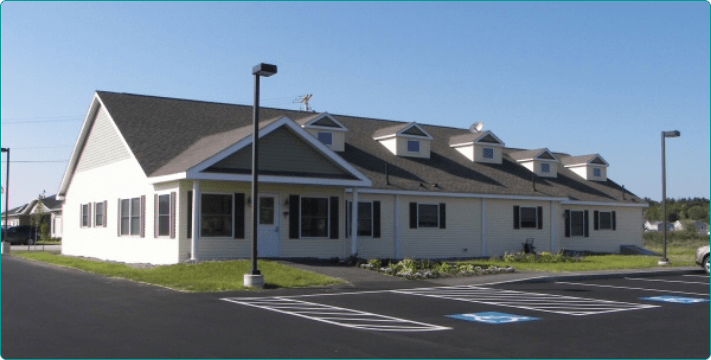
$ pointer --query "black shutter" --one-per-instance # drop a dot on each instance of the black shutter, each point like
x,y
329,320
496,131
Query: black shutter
x,y
442,216
239,216
106,211
349,219
515,217
172,214
143,215
586,226
540,217
334,217
294,216
596,219
376,219
614,220
90,217
567,223
190,214
81,215
413,215
155,216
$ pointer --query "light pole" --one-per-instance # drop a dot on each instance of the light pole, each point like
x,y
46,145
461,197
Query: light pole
x,y
7,189
254,278
665,134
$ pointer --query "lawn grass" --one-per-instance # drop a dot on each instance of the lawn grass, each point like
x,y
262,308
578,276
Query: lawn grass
x,y
202,277
588,263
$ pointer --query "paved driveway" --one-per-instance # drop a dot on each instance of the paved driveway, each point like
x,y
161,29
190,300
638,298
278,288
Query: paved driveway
x,y
51,312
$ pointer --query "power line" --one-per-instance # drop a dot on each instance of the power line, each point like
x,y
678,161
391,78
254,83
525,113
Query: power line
x,y
37,121
37,161
43,118
41,147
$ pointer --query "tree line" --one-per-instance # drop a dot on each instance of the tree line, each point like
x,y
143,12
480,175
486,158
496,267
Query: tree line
x,y
679,209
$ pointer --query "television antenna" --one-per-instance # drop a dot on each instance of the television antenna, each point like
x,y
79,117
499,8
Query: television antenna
x,y
304,99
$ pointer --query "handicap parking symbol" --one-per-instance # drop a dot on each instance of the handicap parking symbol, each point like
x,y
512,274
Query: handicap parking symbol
x,y
675,299
492,317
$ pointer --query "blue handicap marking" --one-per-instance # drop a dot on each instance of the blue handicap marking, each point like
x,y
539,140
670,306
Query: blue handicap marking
x,y
675,299
492,317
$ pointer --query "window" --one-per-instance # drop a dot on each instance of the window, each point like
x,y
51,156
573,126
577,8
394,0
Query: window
x,y
164,215
266,211
488,153
314,217
326,138
85,215
597,172
413,146
365,219
528,217
605,222
577,223
216,215
99,214
546,168
131,216
427,215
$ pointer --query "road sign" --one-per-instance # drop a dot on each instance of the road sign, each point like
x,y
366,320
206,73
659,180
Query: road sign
x,y
493,317
675,299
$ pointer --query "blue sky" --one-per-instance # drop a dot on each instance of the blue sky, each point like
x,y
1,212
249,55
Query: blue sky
x,y
575,77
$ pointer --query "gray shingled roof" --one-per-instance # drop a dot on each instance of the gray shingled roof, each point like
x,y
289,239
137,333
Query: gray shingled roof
x,y
526,154
168,135
575,160
467,138
390,130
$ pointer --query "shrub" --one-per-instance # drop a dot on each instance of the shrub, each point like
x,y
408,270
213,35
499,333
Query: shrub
x,y
375,263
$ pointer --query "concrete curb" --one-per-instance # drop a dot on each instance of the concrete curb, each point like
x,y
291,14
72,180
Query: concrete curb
x,y
612,275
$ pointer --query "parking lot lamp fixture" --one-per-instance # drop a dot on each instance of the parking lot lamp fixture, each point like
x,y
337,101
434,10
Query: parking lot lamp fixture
x,y
254,277
665,134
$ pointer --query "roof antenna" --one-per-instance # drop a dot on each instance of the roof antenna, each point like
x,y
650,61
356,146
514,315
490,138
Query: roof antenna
x,y
304,99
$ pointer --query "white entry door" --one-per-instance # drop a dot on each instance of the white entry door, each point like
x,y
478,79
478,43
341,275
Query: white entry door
x,y
269,240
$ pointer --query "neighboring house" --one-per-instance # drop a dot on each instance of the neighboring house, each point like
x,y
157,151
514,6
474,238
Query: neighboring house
x,y
22,215
700,226
658,226
161,180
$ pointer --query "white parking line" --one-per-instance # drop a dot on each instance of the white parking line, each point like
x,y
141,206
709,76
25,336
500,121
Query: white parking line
x,y
701,276
630,288
336,315
559,304
669,281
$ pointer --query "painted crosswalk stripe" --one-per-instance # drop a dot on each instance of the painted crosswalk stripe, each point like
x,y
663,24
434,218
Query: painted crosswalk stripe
x,y
630,288
336,315
558,304
669,281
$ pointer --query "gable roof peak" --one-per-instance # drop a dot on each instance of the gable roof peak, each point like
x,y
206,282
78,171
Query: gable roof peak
x,y
411,129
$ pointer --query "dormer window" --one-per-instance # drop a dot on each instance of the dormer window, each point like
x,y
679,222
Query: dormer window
x,y
540,161
413,146
588,167
482,147
405,140
326,129
325,137
488,153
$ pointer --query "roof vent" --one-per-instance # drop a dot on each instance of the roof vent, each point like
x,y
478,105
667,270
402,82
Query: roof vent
x,y
476,127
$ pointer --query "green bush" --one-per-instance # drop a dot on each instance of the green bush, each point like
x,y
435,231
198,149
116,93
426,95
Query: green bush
x,y
376,263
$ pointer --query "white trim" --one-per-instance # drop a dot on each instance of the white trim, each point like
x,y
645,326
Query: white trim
x,y
414,142
274,179
407,127
196,171
600,203
322,116
472,143
130,216
167,178
590,163
456,195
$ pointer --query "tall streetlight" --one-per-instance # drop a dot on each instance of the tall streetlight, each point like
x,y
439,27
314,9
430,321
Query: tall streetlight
x,y
7,189
254,278
665,134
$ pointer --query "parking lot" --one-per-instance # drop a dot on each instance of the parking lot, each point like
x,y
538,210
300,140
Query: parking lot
x,y
51,312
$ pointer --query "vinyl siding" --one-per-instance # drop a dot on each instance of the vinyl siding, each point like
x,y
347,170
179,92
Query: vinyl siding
x,y
402,148
479,154
501,235
103,146
629,230
383,247
281,150
461,238
123,179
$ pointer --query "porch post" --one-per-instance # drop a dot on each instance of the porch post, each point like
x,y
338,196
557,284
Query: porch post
x,y
196,220
354,223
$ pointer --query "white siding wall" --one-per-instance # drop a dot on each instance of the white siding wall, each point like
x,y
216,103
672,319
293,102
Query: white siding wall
x,y
103,146
500,233
463,230
467,151
479,154
383,247
535,167
629,230
402,148
123,179
216,248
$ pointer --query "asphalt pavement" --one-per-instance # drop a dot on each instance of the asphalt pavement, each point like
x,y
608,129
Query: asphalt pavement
x,y
51,312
